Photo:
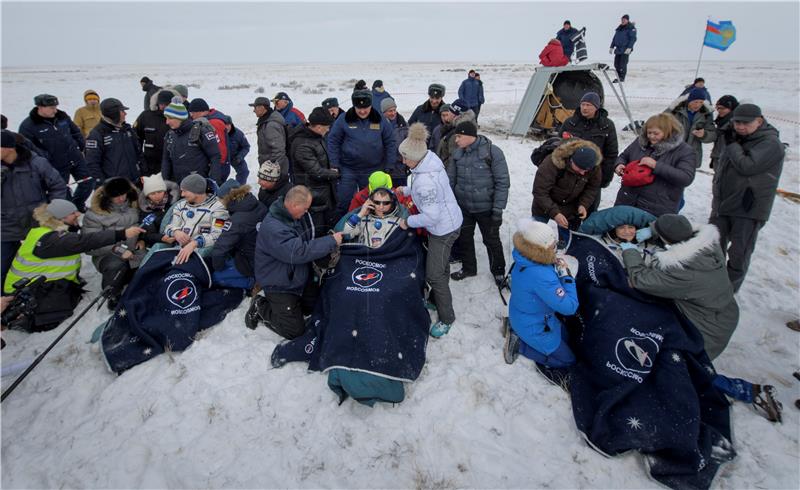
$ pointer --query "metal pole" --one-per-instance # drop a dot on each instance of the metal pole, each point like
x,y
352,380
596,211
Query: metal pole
x,y
703,45
622,101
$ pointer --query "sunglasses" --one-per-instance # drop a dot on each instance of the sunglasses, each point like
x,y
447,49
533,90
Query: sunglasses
x,y
382,203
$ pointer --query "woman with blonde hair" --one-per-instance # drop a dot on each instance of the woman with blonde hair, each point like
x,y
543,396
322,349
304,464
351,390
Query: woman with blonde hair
x,y
656,167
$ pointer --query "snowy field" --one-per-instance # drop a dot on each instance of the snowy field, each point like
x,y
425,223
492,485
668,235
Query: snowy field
x,y
217,415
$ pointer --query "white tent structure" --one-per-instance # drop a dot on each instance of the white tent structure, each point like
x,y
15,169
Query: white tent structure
x,y
544,75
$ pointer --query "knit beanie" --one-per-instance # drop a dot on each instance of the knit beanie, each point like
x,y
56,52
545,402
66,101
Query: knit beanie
x,y
61,208
227,187
194,183
697,94
379,179
536,233
90,95
387,104
176,110
377,84
320,116
446,108
592,98
415,146
181,89
467,128
198,105
153,183
269,171
728,101
164,97
9,141
673,228
585,158
459,106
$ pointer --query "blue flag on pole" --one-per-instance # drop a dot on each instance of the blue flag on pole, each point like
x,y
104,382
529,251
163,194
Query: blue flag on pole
x,y
720,35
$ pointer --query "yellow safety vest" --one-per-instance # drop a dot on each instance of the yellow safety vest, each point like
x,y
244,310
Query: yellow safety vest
x,y
27,265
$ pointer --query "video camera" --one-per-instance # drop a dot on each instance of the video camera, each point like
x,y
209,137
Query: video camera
x,y
19,314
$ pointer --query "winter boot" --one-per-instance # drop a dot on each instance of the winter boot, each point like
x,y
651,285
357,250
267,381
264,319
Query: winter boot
x,y
765,403
511,344
439,329
462,274
253,315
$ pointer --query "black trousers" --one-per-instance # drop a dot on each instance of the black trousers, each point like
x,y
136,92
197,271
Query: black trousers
x,y
116,273
490,230
621,65
283,314
738,239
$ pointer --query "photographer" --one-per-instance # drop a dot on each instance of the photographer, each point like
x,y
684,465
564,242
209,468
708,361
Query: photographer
x,y
53,250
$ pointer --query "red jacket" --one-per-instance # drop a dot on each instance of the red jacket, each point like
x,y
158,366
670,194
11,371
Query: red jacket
x,y
553,54
222,135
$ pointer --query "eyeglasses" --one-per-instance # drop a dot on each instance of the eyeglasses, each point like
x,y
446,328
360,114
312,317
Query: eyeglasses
x,y
382,203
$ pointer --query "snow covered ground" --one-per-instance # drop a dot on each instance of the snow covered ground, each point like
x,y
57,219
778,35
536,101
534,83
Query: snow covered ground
x,y
217,415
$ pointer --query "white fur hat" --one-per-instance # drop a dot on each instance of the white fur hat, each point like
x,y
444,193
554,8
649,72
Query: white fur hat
x,y
536,233
153,183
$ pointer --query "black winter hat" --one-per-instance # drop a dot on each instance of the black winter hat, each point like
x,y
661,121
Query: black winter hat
x,y
467,128
117,186
362,99
436,90
330,102
728,101
626,17
164,97
3,121
45,100
145,80
746,112
673,228
198,105
320,116
282,96
110,108
377,83
360,85
8,140
585,158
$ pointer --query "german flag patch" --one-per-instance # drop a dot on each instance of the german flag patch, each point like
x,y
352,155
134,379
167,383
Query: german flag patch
x,y
219,223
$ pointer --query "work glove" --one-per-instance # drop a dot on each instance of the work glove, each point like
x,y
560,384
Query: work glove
x,y
627,246
628,51
644,234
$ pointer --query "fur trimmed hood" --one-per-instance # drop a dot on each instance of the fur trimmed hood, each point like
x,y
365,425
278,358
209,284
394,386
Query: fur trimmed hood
x,y
44,218
680,254
683,101
464,116
665,146
101,202
561,155
235,195
535,253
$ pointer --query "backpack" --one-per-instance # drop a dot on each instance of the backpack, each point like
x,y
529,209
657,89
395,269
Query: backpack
x,y
546,148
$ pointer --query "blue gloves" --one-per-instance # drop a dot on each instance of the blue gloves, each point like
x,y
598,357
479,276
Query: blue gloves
x,y
644,234
627,246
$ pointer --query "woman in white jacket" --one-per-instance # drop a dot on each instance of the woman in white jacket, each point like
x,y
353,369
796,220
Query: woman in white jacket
x,y
439,214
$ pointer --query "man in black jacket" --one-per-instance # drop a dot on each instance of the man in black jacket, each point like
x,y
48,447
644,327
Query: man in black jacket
x,y
189,147
151,128
234,252
60,141
428,112
312,169
112,148
745,180
591,123
149,88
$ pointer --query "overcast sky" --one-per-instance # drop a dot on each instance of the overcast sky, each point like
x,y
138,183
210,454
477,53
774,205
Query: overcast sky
x,y
87,33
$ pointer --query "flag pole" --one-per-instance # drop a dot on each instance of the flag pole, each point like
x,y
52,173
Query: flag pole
x,y
703,45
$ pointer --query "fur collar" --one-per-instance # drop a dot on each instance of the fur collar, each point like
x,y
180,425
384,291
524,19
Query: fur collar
x,y
561,155
534,252
464,116
683,101
43,216
101,203
678,255
350,117
35,117
664,146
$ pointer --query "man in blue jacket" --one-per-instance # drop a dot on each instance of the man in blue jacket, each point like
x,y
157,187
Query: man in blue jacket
x,y
565,38
622,45
291,114
471,93
238,148
285,248
360,143
60,141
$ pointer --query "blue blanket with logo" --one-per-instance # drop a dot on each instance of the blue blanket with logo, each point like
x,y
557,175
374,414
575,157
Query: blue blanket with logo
x,y
643,380
370,316
163,308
